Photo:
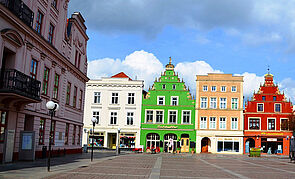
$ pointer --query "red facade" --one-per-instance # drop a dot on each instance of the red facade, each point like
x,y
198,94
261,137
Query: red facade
x,y
265,120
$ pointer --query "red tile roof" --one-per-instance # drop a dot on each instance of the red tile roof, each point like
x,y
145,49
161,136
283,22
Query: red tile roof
x,y
121,75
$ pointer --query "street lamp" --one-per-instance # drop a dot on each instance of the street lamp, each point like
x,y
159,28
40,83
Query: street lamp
x,y
118,144
94,120
52,107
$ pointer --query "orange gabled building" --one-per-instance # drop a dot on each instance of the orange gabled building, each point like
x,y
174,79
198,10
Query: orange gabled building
x,y
263,118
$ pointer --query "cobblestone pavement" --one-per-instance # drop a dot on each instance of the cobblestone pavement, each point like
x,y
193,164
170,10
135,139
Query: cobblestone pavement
x,y
184,166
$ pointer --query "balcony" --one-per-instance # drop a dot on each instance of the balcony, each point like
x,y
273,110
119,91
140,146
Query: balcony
x,y
17,85
20,9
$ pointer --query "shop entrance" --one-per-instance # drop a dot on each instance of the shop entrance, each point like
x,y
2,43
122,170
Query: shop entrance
x,y
153,142
184,143
205,143
272,145
112,140
170,143
250,143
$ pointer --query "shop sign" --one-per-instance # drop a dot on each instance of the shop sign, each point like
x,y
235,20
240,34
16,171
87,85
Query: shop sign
x,y
272,139
271,133
228,139
167,127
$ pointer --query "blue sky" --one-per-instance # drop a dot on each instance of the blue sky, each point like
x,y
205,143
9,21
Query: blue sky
x,y
239,37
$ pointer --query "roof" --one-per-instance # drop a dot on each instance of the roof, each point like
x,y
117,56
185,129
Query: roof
x,y
121,75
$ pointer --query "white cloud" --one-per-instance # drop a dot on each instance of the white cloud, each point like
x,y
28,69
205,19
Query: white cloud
x,y
288,87
251,83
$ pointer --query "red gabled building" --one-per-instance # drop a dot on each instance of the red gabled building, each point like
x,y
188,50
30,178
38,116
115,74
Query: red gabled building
x,y
263,118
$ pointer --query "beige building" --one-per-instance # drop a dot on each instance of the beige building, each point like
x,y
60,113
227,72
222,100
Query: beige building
x,y
219,113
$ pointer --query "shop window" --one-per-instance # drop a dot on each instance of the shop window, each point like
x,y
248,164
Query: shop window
x,y
3,125
203,102
55,87
234,103
41,131
212,123
96,97
213,88
260,107
172,117
220,146
284,124
79,135
67,134
96,115
152,141
114,116
205,88
234,123
159,116
130,118
254,123
223,88
227,146
222,103
186,115
174,100
277,107
131,98
161,100
74,135
115,98
203,123
271,124
222,123
149,116
213,103
127,141
45,81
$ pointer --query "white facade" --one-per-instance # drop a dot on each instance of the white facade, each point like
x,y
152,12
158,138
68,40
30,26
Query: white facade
x,y
117,98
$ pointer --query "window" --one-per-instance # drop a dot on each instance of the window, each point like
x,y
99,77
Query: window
x,y
96,97
41,131
213,88
174,100
234,103
67,134
115,98
223,88
77,59
68,93
55,87
159,116
254,123
205,88
263,98
234,123
260,107
274,98
149,116
96,115
186,116
228,146
233,89
174,86
33,71
203,123
3,125
222,123
81,98
131,98
271,124
45,81
50,33
130,118
163,86
52,131
277,107
75,97
39,20
213,103
212,123
54,3
161,100
284,124
222,103
114,116
74,135
173,117
204,102
79,135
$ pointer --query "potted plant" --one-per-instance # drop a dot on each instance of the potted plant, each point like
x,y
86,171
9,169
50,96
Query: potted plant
x,y
193,150
178,150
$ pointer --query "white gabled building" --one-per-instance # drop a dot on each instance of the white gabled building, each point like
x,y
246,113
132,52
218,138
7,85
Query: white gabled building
x,y
116,103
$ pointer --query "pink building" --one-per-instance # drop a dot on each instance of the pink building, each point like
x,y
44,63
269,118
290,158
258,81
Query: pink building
x,y
42,58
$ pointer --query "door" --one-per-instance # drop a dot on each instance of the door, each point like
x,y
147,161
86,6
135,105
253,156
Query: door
x,y
184,145
112,141
204,144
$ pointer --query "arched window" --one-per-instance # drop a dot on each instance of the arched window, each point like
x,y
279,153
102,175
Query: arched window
x,y
152,141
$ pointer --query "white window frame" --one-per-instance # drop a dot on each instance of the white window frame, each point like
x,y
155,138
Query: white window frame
x,y
114,116
169,116
220,101
205,86
236,125
224,89
97,96
115,97
132,116
237,103
234,90
146,116
163,100
204,123
275,123
131,98
222,122
280,107
190,114
254,118
211,122
172,101
212,88
163,117
281,124
173,86
262,107
211,107
97,116
206,106
163,86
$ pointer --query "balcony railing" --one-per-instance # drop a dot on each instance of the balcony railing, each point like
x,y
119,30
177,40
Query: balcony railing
x,y
20,9
13,81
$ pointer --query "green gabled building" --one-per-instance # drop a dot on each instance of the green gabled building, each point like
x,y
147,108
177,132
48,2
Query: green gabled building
x,y
168,115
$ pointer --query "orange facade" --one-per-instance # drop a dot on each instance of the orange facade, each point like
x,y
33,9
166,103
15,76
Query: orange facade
x,y
266,119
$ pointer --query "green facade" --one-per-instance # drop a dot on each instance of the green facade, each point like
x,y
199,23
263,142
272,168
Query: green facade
x,y
168,86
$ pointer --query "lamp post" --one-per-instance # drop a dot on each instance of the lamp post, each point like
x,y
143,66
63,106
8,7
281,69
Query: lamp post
x,y
94,120
118,144
52,107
